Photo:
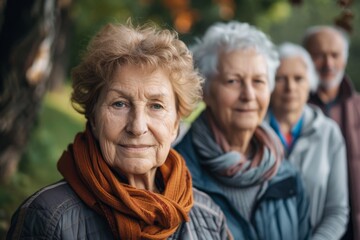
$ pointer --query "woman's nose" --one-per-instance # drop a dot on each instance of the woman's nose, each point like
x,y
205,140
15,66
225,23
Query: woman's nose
x,y
137,122
290,84
247,92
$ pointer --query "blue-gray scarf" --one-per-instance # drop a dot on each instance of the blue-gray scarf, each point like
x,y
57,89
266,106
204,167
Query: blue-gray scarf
x,y
243,171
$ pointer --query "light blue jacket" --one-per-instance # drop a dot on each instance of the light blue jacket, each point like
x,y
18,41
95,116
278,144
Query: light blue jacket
x,y
320,155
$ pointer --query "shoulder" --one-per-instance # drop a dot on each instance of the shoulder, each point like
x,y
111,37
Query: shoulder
x,y
206,210
204,203
207,221
323,126
52,197
327,122
52,211
36,216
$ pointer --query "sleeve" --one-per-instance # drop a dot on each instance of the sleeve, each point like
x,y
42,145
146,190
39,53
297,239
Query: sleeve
x,y
30,223
336,209
224,230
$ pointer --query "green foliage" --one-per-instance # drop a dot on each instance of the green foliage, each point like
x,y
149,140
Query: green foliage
x,y
201,106
281,20
89,15
55,129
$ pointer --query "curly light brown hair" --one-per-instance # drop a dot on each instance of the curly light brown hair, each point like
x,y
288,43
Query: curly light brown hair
x,y
116,45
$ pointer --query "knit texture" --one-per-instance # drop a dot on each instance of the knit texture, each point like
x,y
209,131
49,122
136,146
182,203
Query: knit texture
x,y
130,212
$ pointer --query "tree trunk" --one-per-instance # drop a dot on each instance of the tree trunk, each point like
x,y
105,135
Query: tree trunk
x,y
29,38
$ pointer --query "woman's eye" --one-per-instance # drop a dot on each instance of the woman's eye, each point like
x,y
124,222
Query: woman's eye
x,y
299,78
157,106
259,81
230,81
119,104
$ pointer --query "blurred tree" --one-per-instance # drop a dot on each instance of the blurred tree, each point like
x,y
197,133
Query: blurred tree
x,y
188,17
32,40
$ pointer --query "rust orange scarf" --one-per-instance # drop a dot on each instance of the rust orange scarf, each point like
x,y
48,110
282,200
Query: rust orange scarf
x,y
131,213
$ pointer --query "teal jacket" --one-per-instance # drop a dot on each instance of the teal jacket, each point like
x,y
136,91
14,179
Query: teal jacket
x,y
280,213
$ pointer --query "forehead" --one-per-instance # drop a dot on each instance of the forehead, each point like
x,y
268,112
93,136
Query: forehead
x,y
327,40
135,79
292,63
247,60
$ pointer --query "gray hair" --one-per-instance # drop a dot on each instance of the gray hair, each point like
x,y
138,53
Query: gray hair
x,y
311,31
226,37
288,50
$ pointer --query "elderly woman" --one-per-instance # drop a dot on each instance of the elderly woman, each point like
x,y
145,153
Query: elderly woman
x,y
312,142
121,178
231,155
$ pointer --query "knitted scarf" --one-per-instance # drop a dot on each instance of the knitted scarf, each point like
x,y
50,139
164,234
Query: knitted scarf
x,y
131,213
234,168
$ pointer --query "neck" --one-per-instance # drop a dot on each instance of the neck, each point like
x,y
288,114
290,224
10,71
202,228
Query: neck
x,y
328,94
287,120
240,141
143,181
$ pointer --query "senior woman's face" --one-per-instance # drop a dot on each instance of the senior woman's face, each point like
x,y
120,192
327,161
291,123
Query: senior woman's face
x,y
291,86
136,120
239,95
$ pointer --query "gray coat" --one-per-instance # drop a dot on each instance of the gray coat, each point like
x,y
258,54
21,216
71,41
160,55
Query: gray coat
x,y
56,212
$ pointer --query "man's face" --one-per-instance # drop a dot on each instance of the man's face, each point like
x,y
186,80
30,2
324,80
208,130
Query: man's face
x,y
327,49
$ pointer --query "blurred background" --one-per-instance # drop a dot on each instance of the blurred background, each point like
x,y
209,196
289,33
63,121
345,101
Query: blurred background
x,y
41,40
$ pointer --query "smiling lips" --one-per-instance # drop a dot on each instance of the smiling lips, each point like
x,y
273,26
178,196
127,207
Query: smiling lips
x,y
135,147
288,98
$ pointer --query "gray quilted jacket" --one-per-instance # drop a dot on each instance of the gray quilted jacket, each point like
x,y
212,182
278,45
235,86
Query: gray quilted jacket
x,y
56,212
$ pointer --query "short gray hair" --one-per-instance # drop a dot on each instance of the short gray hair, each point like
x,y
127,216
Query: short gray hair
x,y
232,36
311,31
289,50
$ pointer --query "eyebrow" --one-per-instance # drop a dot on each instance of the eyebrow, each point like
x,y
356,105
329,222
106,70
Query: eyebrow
x,y
151,96
227,73
261,75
